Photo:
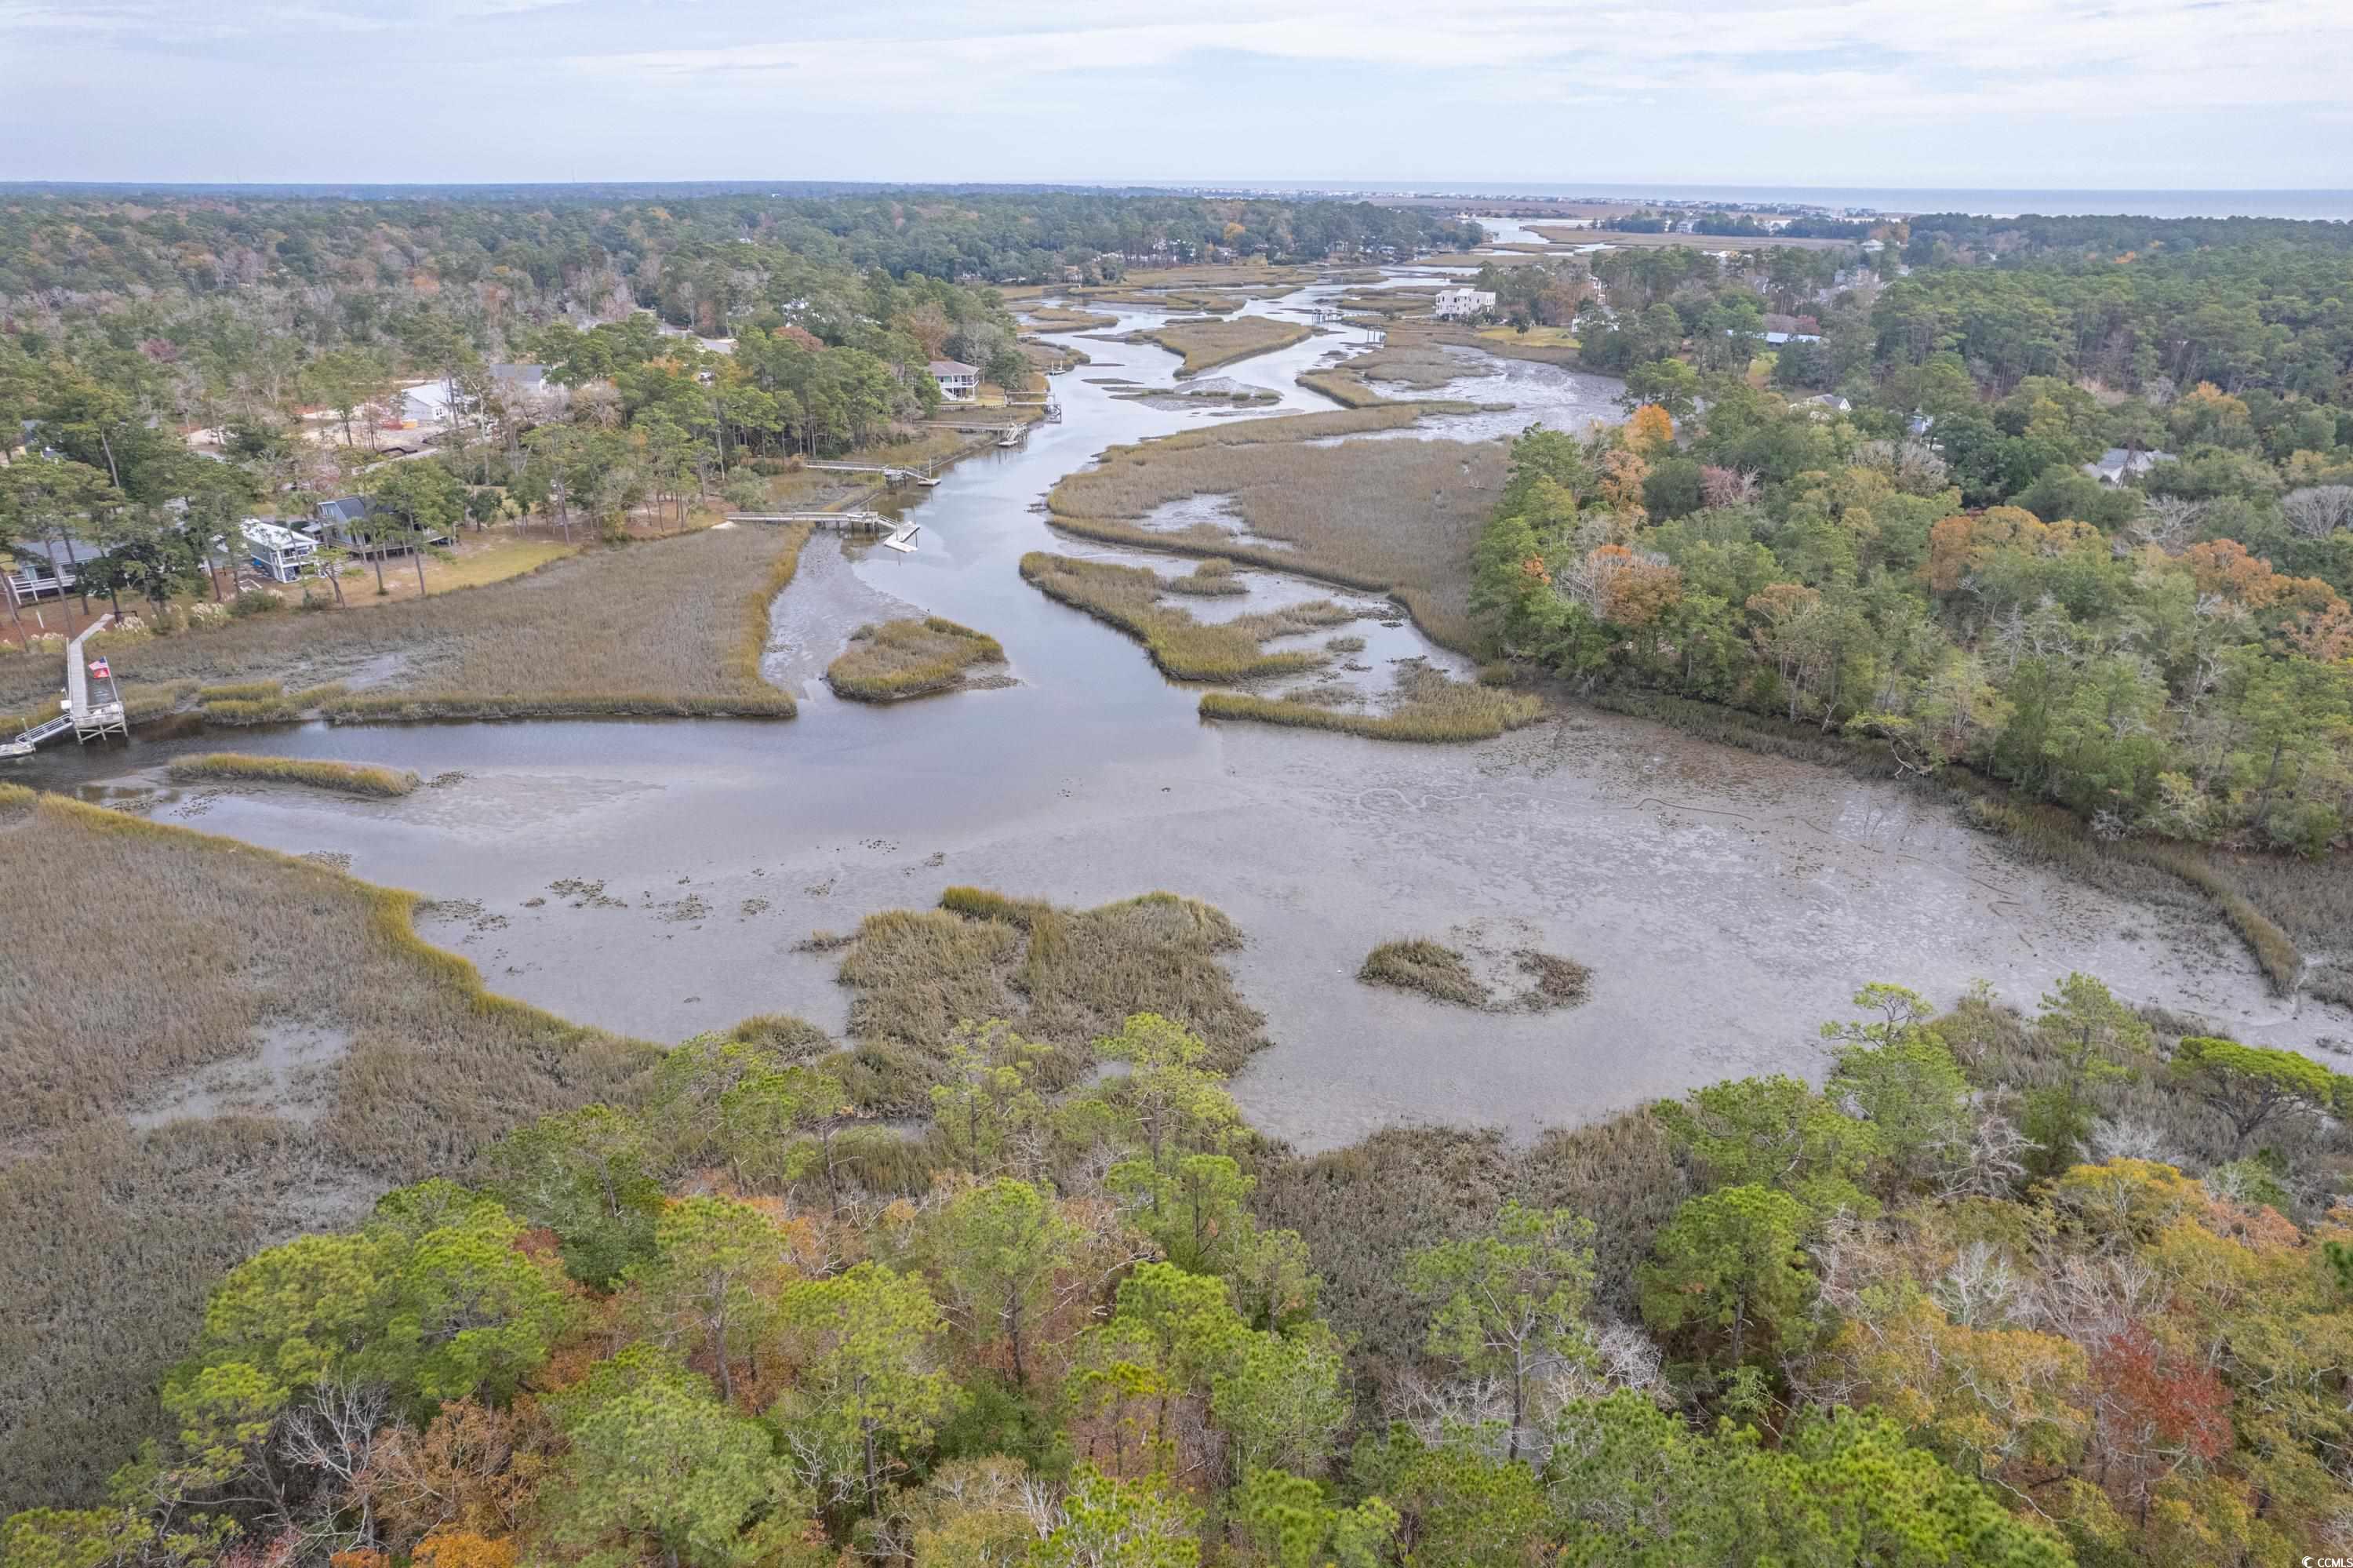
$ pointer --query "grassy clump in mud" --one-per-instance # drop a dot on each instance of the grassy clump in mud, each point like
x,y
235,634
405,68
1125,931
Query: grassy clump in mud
x,y
1213,577
1523,980
1428,967
1425,706
1396,516
215,955
1184,648
1207,342
672,626
909,658
1062,318
343,778
1063,978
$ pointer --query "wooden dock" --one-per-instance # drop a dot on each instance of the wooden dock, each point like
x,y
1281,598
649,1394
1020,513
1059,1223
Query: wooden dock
x,y
825,521
92,706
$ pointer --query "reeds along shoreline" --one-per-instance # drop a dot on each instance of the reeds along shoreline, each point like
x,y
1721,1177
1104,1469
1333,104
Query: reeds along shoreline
x,y
909,658
1478,713
1396,517
343,778
673,626
1183,648
215,954
1210,341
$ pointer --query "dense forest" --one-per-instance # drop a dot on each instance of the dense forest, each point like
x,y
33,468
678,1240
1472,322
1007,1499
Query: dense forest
x,y
1961,1306
1891,528
126,320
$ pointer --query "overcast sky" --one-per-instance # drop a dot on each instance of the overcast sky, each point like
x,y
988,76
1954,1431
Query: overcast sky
x,y
2035,93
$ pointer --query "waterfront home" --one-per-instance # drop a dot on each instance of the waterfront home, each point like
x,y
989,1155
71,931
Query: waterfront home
x,y
44,568
1461,304
2119,465
278,552
959,382
343,522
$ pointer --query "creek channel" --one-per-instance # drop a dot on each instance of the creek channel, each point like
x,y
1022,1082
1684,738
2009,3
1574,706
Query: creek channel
x,y
656,877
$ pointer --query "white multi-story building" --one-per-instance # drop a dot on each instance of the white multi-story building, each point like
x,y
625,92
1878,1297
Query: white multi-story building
x,y
278,552
1461,304
957,380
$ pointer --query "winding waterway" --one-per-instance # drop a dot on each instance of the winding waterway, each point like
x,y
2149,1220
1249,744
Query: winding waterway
x,y
1726,902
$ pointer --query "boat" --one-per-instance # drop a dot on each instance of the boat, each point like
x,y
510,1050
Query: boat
x,y
1010,438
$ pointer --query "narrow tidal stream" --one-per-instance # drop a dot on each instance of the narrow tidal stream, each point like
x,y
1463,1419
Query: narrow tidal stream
x,y
1726,902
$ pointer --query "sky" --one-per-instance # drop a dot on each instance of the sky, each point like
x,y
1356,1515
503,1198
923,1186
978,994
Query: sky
x,y
2039,94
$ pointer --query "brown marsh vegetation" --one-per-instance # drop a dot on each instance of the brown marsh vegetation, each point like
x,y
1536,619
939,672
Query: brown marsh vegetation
x,y
342,778
909,658
1425,705
1395,516
671,626
148,963
1063,978
1207,342
1545,981
1062,318
1185,649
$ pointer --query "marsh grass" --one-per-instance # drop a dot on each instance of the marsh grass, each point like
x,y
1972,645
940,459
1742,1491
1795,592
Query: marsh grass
x,y
1185,649
664,626
343,778
141,957
1425,707
1062,977
1344,387
1207,342
1213,577
1393,517
909,658
1544,981
240,711
1419,964
240,692
1062,318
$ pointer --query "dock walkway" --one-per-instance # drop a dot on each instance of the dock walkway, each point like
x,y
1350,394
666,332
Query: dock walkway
x,y
93,704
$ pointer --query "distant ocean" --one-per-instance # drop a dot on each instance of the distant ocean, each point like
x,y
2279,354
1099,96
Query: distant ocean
x,y
2312,204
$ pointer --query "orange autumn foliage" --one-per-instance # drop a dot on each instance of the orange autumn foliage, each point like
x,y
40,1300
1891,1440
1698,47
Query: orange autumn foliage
x,y
2324,635
1622,474
2225,566
462,1548
1958,544
1639,592
1650,430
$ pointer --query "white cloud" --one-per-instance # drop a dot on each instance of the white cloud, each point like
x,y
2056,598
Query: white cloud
x,y
2092,92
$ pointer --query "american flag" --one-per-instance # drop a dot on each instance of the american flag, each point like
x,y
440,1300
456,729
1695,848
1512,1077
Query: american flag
x,y
98,667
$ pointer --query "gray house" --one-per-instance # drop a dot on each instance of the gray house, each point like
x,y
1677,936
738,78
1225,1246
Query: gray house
x,y
2120,465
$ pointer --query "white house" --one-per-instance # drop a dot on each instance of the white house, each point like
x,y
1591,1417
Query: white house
x,y
278,552
958,381
1461,304
2117,465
